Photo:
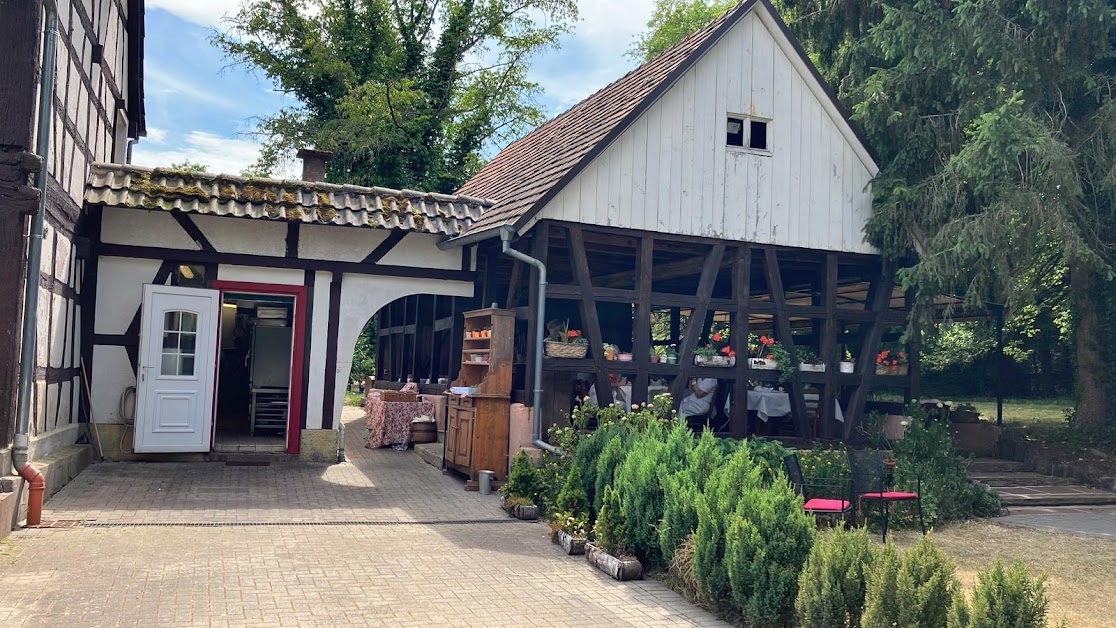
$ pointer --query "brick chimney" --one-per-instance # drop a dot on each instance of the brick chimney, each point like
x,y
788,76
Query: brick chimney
x,y
314,164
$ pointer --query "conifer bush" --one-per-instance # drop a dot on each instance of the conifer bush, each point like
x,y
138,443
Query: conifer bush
x,y
611,456
832,584
524,481
638,483
767,541
1003,598
609,532
572,499
915,591
715,506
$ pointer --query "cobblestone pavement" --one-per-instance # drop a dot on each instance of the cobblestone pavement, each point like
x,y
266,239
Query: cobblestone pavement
x,y
374,565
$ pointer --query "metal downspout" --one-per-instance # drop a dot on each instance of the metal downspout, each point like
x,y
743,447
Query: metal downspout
x,y
31,284
507,234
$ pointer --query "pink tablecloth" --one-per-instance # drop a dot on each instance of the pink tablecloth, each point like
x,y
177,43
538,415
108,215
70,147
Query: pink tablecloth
x,y
389,422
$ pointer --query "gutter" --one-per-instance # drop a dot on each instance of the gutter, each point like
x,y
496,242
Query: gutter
x,y
507,235
475,237
21,441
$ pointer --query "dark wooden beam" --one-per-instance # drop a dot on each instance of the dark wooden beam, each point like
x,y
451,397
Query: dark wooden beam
x,y
880,292
589,318
786,336
243,259
513,284
829,348
92,231
382,249
308,280
293,229
332,325
641,340
697,318
192,230
741,291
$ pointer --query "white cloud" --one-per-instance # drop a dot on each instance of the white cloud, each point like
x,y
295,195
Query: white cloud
x,y
228,155
156,135
160,82
204,12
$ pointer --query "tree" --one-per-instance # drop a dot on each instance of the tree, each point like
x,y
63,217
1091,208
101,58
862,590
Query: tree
x,y
673,20
189,166
406,93
995,124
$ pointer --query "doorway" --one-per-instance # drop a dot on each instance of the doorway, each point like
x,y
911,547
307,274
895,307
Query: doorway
x,y
259,369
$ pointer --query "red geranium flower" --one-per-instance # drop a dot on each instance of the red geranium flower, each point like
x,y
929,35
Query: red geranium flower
x,y
726,350
717,337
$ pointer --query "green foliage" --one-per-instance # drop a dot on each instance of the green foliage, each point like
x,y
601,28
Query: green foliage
x,y
715,507
828,469
189,166
832,585
572,497
926,451
611,456
524,481
913,592
610,532
768,456
681,490
407,93
768,539
672,20
1004,598
364,355
638,483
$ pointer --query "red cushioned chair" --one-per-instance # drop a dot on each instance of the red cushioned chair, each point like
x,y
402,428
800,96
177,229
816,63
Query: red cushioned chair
x,y
871,483
819,505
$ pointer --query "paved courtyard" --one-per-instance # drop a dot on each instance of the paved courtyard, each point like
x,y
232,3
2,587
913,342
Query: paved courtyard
x,y
382,540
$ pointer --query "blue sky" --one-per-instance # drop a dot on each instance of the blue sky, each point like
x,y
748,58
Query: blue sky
x,y
201,108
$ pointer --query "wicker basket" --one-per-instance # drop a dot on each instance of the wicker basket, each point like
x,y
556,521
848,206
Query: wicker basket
x,y
395,396
566,349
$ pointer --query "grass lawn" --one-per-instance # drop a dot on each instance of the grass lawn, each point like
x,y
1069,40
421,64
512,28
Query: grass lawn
x,y
1081,570
1025,411
354,399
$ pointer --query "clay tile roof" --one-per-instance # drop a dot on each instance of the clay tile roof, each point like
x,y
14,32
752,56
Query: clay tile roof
x,y
524,172
272,199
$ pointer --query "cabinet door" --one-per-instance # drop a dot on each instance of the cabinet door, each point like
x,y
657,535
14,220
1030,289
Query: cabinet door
x,y
452,428
465,440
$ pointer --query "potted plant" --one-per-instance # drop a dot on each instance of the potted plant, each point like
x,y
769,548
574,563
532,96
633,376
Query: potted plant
x,y
847,365
610,351
607,552
808,361
570,523
891,362
670,355
566,343
703,355
524,485
762,354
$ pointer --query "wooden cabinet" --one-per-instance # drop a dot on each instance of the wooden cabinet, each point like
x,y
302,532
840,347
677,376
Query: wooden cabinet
x,y
477,424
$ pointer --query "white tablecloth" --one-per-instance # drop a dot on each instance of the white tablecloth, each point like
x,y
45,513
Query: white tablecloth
x,y
771,403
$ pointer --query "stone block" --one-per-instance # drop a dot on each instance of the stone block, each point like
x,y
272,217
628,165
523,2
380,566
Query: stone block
x,y
8,504
318,446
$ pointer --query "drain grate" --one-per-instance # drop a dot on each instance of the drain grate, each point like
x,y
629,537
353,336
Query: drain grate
x,y
247,463
247,524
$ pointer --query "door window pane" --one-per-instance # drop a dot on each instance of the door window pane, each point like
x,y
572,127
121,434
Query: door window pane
x,y
179,342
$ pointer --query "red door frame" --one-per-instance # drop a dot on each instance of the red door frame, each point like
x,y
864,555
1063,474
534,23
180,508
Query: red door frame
x,y
294,405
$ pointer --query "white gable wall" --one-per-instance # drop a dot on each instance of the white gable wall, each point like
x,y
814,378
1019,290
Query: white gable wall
x,y
672,172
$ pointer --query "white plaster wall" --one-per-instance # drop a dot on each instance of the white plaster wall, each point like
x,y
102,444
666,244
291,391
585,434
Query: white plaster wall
x,y
315,388
258,274
60,331
114,374
243,235
346,244
361,297
421,250
142,227
119,292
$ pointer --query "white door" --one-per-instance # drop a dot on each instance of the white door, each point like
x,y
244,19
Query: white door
x,y
177,368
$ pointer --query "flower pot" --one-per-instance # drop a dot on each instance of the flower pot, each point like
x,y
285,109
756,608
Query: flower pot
x,y
487,333
571,545
763,364
812,368
624,357
620,569
847,367
526,512
654,357
670,359
556,349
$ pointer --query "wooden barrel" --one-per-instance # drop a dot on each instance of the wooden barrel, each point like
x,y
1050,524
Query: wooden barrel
x,y
424,432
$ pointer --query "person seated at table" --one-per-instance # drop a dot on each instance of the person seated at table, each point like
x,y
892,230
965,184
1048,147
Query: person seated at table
x,y
698,401
617,383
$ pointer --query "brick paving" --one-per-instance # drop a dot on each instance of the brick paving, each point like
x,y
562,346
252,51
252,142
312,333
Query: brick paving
x,y
392,573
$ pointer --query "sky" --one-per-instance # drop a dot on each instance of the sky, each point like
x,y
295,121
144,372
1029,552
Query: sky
x,y
202,108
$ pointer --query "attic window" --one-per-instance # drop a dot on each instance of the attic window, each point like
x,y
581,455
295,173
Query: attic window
x,y
736,131
757,136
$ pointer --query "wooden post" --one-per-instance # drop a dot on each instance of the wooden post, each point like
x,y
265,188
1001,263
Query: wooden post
x,y
741,293
641,340
879,298
829,347
786,336
589,317
697,318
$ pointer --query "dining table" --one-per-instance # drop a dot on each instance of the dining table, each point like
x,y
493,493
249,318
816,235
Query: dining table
x,y
776,403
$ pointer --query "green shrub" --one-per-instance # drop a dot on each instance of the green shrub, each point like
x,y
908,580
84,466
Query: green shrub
x,y
524,481
609,532
585,459
715,507
767,541
831,587
768,455
828,469
572,499
1004,598
638,484
611,456
915,592
681,490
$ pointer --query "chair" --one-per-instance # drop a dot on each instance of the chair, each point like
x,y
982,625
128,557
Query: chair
x,y
871,482
818,505
812,400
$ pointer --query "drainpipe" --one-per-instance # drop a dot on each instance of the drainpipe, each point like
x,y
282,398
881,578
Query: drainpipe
x,y
35,481
507,234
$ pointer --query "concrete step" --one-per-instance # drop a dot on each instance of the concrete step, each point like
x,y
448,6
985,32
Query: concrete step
x,y
431,453
1024,488
994,465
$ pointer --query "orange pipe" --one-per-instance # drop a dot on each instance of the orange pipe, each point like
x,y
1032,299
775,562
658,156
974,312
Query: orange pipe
x,y
36,486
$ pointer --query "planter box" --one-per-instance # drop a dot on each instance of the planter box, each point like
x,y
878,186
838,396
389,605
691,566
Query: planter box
x,y
900,369
762,364
565,350
812,368
847,367
526,512
621,570
572,545
714,360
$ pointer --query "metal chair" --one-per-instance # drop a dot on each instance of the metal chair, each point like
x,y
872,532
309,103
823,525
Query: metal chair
x,y
872,482
819,505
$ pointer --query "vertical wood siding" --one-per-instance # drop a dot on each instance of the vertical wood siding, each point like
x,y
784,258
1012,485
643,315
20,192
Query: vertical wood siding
x,y
672,172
